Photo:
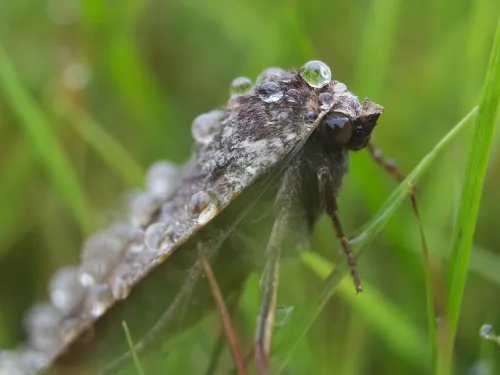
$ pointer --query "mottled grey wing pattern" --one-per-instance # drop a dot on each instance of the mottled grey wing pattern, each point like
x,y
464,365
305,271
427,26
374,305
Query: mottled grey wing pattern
x,y
256,132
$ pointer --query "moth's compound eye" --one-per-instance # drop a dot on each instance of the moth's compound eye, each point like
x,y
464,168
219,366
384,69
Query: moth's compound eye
x,y
337,127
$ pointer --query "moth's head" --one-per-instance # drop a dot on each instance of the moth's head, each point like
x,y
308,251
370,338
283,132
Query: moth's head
x,y
341,120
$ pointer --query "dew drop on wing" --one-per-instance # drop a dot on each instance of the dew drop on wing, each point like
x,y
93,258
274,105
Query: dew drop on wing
x,y
142,207
41,323
66,291
206,126
161,178
316,73
158,236
203,205
325,100
270,92
240,85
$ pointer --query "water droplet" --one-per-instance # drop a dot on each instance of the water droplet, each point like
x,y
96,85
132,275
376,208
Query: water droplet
x,y
120,288
159,236
100,244
11,363
100,253
143,207
339,88
136,244
282,315
41,323
486,331
99,299
206,126
32,361
93,271
325,100
66,291
270,92
316,73
161,178
273,73
240,85
204,205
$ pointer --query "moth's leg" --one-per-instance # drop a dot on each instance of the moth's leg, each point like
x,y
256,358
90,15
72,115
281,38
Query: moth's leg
x,y
327,189
388,164
224,315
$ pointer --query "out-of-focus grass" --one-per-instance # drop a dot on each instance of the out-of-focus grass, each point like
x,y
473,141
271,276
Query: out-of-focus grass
x,y
472,190
154,66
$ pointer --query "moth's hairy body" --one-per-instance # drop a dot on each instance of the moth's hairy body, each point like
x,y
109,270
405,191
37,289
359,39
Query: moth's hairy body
x,y
242,170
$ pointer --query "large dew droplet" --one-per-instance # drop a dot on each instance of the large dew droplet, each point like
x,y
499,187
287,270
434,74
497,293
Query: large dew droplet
x,y
203,205
41,323
270,92
66,291
325,100
240,85
161,178
159,236
316,73
206,126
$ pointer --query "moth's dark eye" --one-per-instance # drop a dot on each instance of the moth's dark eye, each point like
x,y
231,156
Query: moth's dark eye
x,y
338,128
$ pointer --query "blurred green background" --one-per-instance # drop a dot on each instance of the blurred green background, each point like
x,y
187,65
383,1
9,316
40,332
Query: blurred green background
x,y
117,84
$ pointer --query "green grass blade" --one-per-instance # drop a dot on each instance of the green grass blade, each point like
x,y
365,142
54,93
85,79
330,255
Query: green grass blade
x,y
470,198
110,150
390,322
362,240
44,143
137,364
375,225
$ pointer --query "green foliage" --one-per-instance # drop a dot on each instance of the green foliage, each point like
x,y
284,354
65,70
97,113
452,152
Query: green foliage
x,y
94,91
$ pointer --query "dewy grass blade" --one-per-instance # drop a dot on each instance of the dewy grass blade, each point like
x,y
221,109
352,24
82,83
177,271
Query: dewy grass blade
x,y
45,144
470,198
137,364
361,242
388,320
110,150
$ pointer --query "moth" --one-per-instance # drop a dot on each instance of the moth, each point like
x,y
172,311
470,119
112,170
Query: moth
x,y
271,161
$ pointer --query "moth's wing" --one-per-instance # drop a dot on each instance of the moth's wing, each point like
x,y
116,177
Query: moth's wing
x,y
258,139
